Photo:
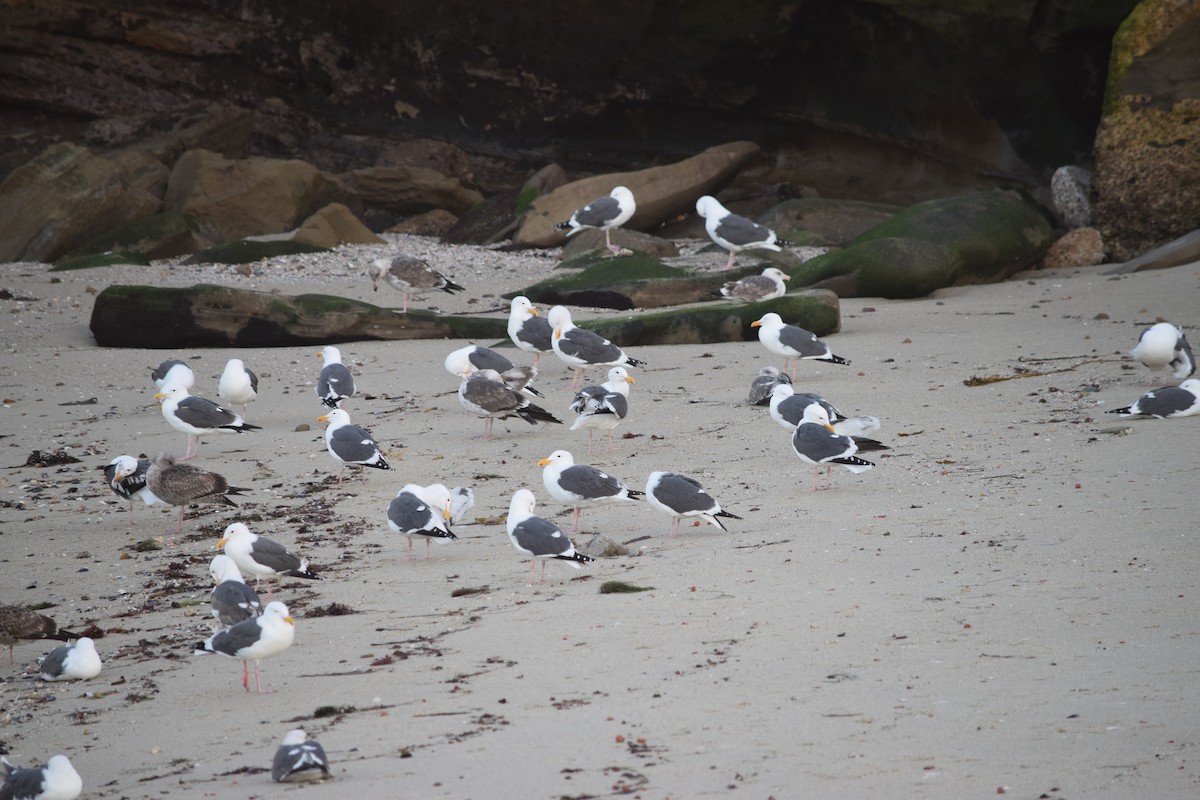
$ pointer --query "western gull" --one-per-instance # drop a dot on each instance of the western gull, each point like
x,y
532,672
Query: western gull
x,y
603,213
181,484
755,288
232,600
173,372
126,476
18,623
473,358
334,383
462,500
77,661
764,383
733,232
792,342
580,348
1171,401
681,496
528,330
537,537
424,511
582,485
262,557
787,408
603,407
817,443
1164,345
410,275
237,384
197,416
299,759
58,780
253,640
350,444
484,393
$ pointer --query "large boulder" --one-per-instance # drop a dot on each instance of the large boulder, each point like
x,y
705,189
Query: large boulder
x,y
69,194
333,225
165,235
404,189
1147,149
824,222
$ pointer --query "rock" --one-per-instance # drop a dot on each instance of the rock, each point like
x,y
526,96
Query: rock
x,y
661,193
69,194
165,235
1071,193
165,134
821,222
491,221
589,241
231,200
431,223
407,189
90,260
246,251
333,225
1184,250
1147,148
1081,247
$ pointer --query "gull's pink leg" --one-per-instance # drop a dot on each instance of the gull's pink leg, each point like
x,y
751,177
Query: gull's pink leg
x,y
576,521
532,562
405,309
611,446
729,263
246,675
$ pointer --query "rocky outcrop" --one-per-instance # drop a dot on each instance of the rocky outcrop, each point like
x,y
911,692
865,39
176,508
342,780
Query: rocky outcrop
x,y
407,189
1184,250
824,222
333,225
1081,247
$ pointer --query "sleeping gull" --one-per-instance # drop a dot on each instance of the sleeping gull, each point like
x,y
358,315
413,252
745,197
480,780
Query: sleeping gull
x,y
681,496
787,408
173,372
181,484
350,444
334,383
262,557
580,484
58,780
484,393
424,511
1172,401
603,407
18,623
462,500
237,384
816,443
764,383
197,416
77,661
733,232
253,640
603,213
1164,345
473,358
755,288
528,330
299,759
792,342
581,348
126,476
411,276
537,537
232,600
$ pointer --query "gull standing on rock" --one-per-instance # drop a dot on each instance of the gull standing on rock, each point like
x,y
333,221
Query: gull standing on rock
x,y
350,444
603,407
755,288
198,416
580,348
410,275
425,511
181,484
484,393
335,383
253,640
792,342
58,780
733,232
528,330
537,537
603,213
581,484
78,661
238,384
126,476
1164,345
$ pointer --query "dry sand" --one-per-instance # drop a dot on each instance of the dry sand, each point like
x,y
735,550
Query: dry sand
x,y
1006,604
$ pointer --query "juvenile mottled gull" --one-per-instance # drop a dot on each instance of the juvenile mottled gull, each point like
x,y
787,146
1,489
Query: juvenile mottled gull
x,y
1164,345
473,358
253,640
77,661
1172,401
262,557
486,394
18,623
537,537
411,276
528,330
198,416
173,372
350,444
793,342
755,288
603,407
126,476
238,384
334,383
299,759
58,780
604,213
582,485
681,496
733,232
232,600
181,484
816,443
764,383
787,408
580,348
424,511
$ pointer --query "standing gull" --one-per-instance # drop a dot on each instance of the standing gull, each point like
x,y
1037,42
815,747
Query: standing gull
x,y
173,372
1164,345
485,393
604,213
792,342
18,623
350,444
424,511
473,358
733,232
411,276
78,661
787,408
238,384
537,537
462,500
253,640
764,383
198,416
816,443
262,557
299,759
580,484
580,348
681,496
181,484
58,780
232,600
603,407
755,288
126,476
528,330
335,383
1172,401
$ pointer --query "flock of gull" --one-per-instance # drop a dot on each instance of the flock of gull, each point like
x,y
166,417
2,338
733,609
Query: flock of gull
x,y
492,387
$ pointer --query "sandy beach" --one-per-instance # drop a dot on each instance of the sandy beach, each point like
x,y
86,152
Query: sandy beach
x,y
1007,604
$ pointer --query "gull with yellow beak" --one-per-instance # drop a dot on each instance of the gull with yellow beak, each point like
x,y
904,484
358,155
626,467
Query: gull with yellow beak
x,y
528,330
816,442
253,640
262,557
580,348
197,416
603,407
425,511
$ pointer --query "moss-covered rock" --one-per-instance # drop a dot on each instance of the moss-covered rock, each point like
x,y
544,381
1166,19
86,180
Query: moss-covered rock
x,y
246,251
165,235
823,222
